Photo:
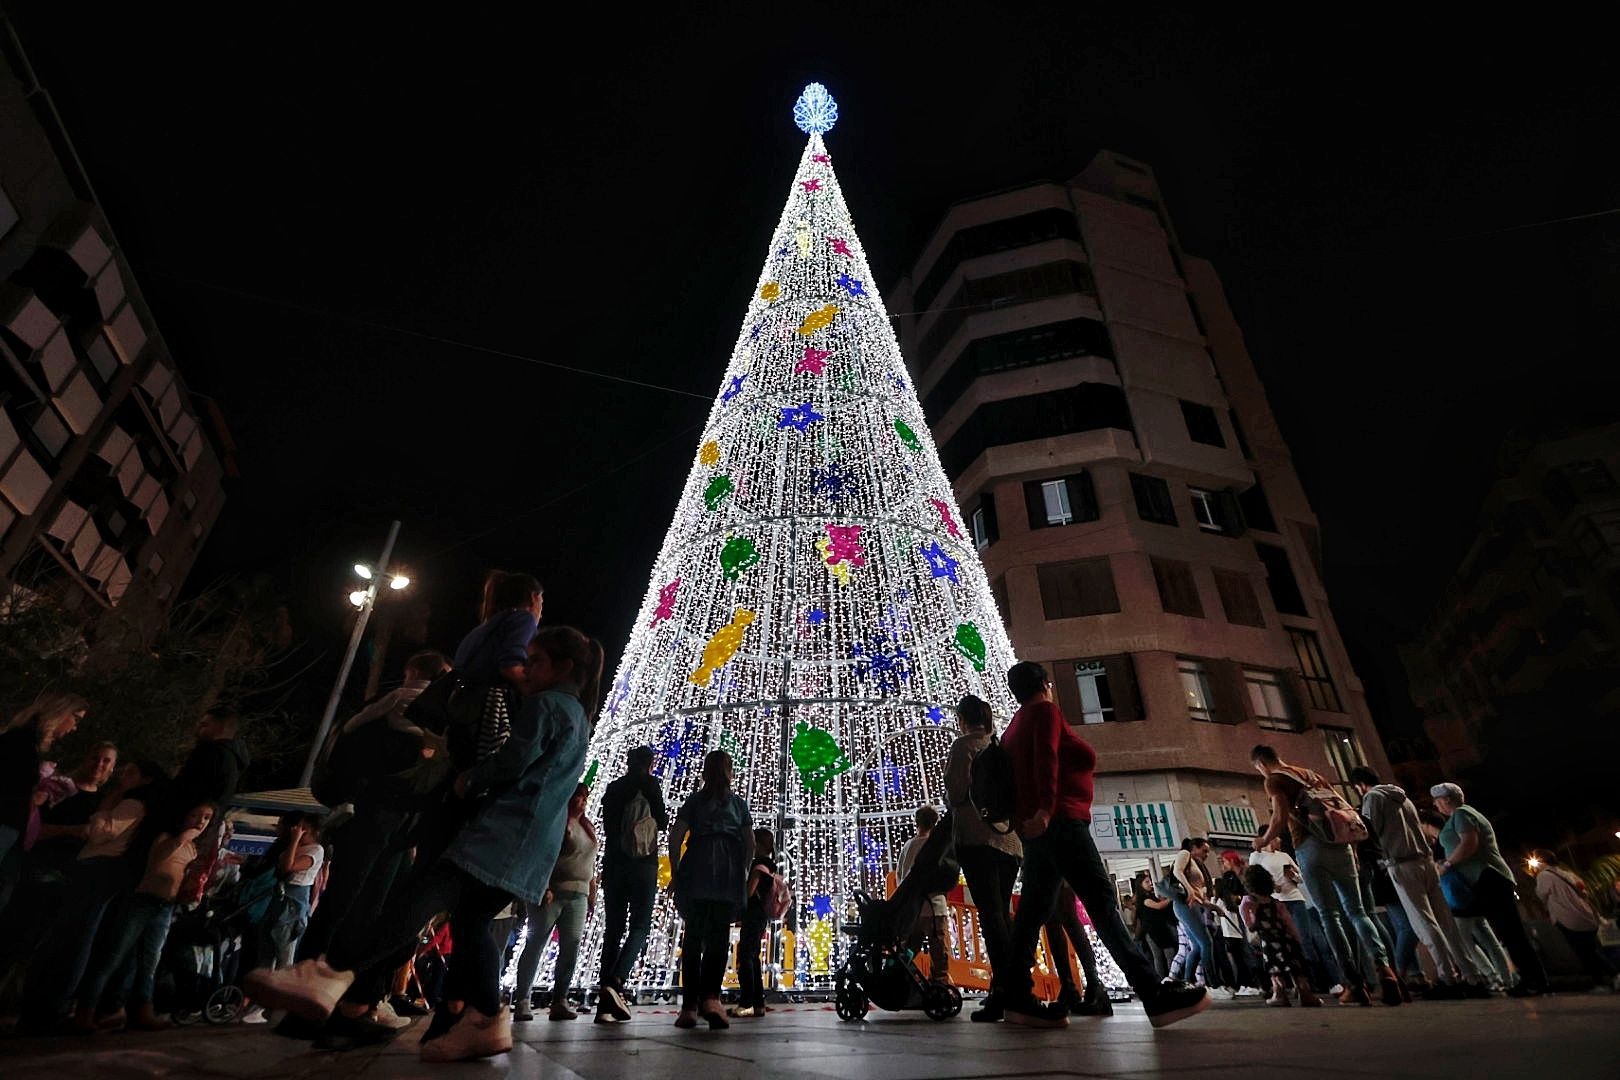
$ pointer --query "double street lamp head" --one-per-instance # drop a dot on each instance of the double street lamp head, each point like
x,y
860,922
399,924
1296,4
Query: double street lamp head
x,y
358,597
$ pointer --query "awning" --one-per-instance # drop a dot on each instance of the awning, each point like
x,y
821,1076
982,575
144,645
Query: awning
x,y
287,801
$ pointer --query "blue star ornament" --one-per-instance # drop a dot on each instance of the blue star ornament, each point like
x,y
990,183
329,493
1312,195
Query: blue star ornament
x,y
936,715
835,483
734,389
799,418
817,616
815,112
851,286
940,564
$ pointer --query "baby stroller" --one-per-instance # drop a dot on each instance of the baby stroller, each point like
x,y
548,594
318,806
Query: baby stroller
x,y
203,956
879,969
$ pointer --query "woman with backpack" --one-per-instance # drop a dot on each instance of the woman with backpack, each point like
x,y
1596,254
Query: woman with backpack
x,y
989,856
571,897
1325,829
756,920
711,849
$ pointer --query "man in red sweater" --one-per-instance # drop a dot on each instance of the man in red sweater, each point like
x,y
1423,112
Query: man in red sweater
x,y
1054,769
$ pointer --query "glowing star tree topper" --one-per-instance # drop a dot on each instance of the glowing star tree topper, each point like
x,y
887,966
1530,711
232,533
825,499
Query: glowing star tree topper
x,y
817,608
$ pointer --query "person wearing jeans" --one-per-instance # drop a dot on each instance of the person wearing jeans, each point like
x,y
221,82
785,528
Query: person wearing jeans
x,y
1053,769
1329,872
1393,817
1469,841
990,857
1188,870
570,898
629,882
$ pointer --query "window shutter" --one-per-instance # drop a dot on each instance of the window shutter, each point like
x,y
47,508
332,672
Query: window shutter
x,y
988,505
1231,514
1068,691
1035,502
1231,696
1121,672
1082,497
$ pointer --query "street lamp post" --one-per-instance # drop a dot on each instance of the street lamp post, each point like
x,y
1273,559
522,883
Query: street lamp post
x,y
364,599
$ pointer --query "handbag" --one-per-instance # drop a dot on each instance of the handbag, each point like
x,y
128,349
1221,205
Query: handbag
x,y
1459,892
1170,887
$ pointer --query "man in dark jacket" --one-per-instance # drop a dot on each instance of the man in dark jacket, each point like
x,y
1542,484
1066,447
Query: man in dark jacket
x,y
629,878
215,765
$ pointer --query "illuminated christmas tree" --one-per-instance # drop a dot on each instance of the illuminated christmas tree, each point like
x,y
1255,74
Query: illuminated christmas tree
x,y
817,607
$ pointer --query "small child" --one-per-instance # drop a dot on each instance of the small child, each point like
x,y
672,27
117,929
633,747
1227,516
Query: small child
x,y
1279,938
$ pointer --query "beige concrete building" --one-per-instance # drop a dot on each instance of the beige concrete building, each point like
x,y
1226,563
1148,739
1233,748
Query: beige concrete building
x,y
108,481
1134,501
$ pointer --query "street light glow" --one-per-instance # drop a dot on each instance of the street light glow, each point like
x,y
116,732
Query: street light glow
x,y
363,570
358,598
398,581
1533,863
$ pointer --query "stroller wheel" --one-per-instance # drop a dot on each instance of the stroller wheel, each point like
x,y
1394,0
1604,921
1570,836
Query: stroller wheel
x,y
941,1002
850,1002
224,1005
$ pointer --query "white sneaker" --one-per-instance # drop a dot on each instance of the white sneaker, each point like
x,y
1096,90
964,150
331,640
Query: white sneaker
x,y
1249,991
254,1015
310,988
384,1014
1336,989
1229,992
474,1036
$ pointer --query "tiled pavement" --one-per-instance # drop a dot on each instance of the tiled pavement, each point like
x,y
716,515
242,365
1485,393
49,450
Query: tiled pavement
x,y
1567,1037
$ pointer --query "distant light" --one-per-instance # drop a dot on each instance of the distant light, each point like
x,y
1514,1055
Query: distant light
x,y
1617,834
1533,863
363,570
815,112
398,581
358,598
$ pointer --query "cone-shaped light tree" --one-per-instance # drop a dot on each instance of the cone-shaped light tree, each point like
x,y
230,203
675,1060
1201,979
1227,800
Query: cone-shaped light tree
x,y
818,606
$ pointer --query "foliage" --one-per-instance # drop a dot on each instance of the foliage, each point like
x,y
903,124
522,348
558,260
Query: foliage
x,y
230,644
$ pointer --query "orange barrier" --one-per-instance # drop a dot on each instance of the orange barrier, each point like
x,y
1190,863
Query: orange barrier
x,y
969,964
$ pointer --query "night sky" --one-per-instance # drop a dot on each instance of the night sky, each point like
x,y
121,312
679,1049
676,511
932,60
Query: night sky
x,y
319,211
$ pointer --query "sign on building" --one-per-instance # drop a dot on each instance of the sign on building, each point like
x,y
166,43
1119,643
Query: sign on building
x,y
1231,821
1134,827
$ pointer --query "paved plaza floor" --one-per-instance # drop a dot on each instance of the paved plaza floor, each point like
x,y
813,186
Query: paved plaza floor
x,y
1566,1037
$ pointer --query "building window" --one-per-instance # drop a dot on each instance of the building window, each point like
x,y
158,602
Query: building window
x,y
1074,589
1257,508
981,530
1238,598
1062,501
1203,426
1280,580
1195,684
1313,670
1344,751
1178,592
1268,701
1153,499
1096,699
1206,509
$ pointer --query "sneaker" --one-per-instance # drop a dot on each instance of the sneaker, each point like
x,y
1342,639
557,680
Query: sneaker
x,y
1227,992
1070,1001
384,1014
561,1011
1094,1004
988,1013
309,988
255,1015
522,1013
611,1004
1336,989
744,1012
1278,1001
404,1006
1169,1006
1355,995
1391,992
686,1019
1249,991
475,1036
1035,1014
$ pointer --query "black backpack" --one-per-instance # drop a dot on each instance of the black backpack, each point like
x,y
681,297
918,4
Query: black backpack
x,y
993,785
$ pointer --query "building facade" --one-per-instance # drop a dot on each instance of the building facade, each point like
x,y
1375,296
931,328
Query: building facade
x,y
1517,671
1135,504
109,483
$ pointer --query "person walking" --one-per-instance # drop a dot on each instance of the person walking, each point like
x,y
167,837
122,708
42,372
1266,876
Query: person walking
x,y
711,848
1393,818
1064,925
989,857
507,849
1053,769
571,897
633,815
1329,871
1189,872
755,922
1564,896
1469,842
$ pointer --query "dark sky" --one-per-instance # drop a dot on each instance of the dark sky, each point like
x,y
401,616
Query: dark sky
x,y
309,203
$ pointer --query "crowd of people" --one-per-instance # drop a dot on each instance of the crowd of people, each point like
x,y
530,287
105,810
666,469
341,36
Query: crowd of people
x,y
465,821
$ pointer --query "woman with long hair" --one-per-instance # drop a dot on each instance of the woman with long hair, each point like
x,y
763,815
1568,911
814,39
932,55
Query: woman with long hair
x,y
1155,923
506,850
23,746
711,847
571,897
